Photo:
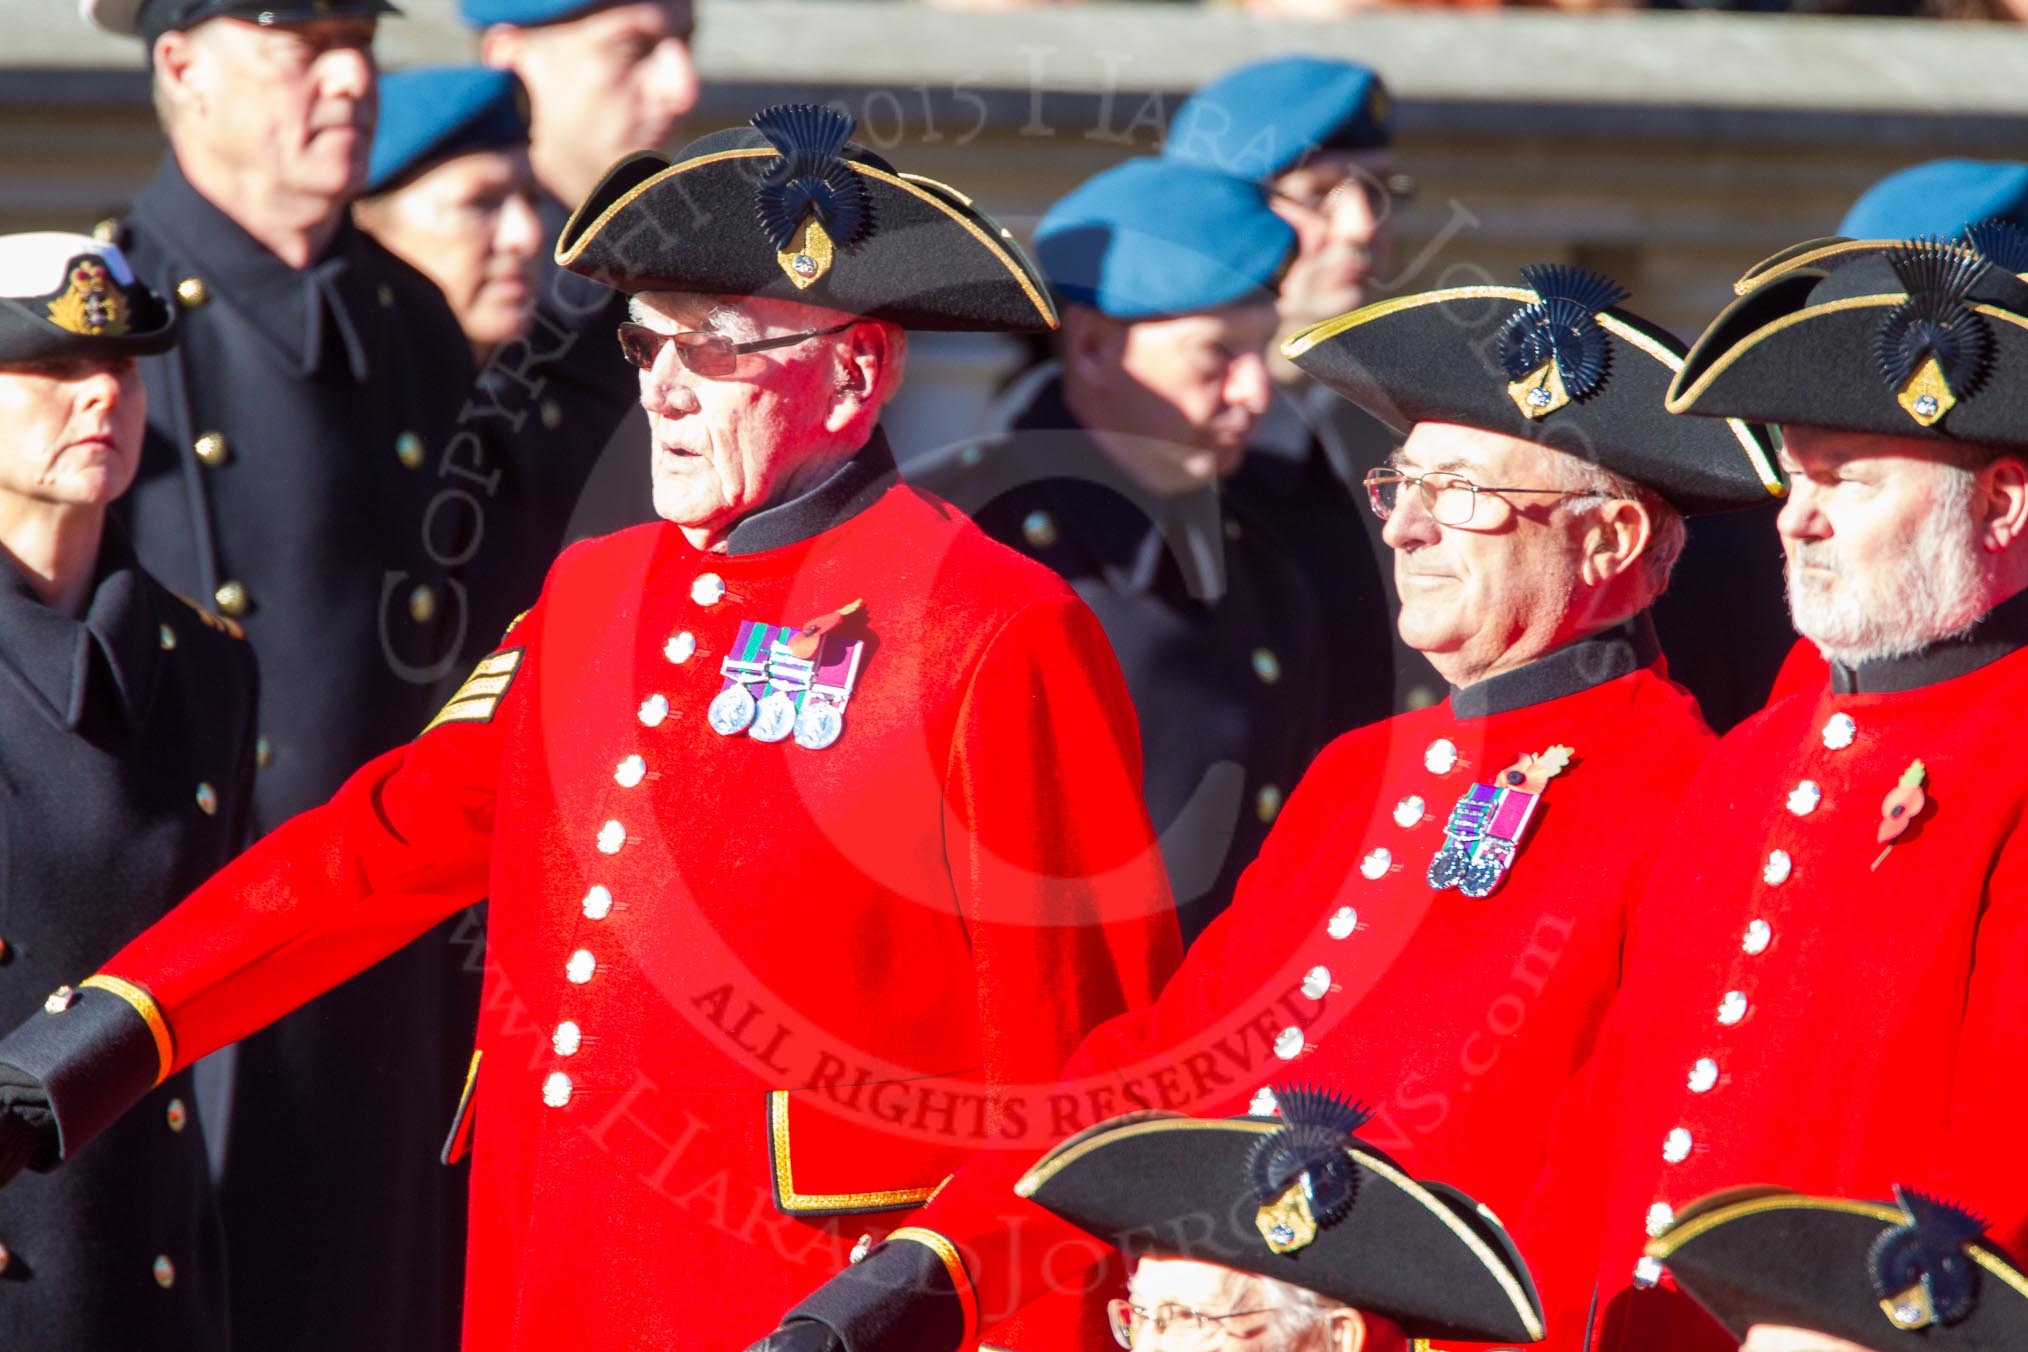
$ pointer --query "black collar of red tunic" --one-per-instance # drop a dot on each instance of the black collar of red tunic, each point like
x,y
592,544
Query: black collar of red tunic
x,y
309,314
1604,656
845,493
2003,630
52,652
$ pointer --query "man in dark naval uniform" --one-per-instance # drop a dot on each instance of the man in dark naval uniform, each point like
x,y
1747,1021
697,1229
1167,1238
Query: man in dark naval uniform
x,y
604,77
1111,476
1318,134
299,477
126,763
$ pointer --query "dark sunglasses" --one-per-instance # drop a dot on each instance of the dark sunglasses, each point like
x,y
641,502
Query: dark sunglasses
x,y
706,354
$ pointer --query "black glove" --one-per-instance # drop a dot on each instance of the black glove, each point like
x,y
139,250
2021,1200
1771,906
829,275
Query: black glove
x,y
28,1136
800,1335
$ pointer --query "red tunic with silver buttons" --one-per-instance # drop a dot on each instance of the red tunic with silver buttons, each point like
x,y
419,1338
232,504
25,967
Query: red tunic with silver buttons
x,y
1793,1014
1457,1019
744,1001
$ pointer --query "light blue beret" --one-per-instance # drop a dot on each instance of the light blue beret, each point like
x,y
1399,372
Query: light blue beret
x,y
434,112
1152,237
1940,198
525,13
1264,119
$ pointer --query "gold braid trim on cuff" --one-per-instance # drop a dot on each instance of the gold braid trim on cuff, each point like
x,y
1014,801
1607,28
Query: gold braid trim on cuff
x,y
150,1012
954,1263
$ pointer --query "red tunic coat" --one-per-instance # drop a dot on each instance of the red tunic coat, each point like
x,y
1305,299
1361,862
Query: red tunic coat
x,y
1457,1019
732,988
1793,1015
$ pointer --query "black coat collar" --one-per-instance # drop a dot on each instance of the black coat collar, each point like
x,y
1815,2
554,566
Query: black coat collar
x,y
52,652
312,315
1604,656
1126,529
849,490
2003,630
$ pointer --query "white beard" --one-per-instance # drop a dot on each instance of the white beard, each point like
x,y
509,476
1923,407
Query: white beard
x,y
1935,587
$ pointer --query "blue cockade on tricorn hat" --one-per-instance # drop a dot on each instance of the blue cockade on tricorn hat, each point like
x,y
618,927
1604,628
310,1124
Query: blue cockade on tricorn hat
x,y
1555,350
809,204
1933,347
1301,1175
1922,1271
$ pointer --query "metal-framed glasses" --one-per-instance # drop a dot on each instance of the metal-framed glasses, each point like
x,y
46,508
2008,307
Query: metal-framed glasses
x,y
706,354
1449,497
1194,1330
1381,193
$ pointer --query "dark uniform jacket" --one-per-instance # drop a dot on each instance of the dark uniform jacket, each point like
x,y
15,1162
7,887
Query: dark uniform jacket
x,y
557,413
1215,627
126,759
296,473
1304,474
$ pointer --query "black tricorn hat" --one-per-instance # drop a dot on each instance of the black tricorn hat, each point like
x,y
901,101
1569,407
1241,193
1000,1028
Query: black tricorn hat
x,y
789,207
2001,241
1900,338
1554,362
1301,1200
65,297
1894,1278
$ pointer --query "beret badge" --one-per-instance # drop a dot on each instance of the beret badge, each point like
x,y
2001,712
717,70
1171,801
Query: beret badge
x,y
810,204
1933,347
90,304
1301,1175
1554,350
1921,1271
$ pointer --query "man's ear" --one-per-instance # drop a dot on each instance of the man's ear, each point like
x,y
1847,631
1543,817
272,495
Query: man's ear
x,y
2003,503
869,365
1345,1330
500,46
175,59
1615,540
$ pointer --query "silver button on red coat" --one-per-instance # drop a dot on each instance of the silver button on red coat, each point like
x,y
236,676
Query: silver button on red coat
x,y
566,1039
1289,1043
1647,1272
598,902
1342,923
580,967
556,1089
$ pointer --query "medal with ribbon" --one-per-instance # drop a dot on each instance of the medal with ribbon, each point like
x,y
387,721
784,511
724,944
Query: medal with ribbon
x,y
781,680
1486,827
744,668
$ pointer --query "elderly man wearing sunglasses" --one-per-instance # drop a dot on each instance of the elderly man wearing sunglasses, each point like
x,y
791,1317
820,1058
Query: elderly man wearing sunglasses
x,y
1440,907
810,817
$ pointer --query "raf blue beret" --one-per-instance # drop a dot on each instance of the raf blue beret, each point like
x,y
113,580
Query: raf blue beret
x,y
435,112
524,13
1152,237
1939,198
1262,120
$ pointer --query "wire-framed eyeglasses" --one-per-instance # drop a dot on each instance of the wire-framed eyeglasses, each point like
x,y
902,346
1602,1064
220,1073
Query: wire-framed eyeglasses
x,y
706,354
1195,1331
1447,496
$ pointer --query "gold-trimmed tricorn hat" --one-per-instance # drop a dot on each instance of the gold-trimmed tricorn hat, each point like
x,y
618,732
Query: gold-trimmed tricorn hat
x,y
1555,361
1898,338
790,207
67,297
1917,1274
1300,1199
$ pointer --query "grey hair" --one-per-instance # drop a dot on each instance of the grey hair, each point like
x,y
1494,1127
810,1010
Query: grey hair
x,y
721,318
1296,1312
1666,532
